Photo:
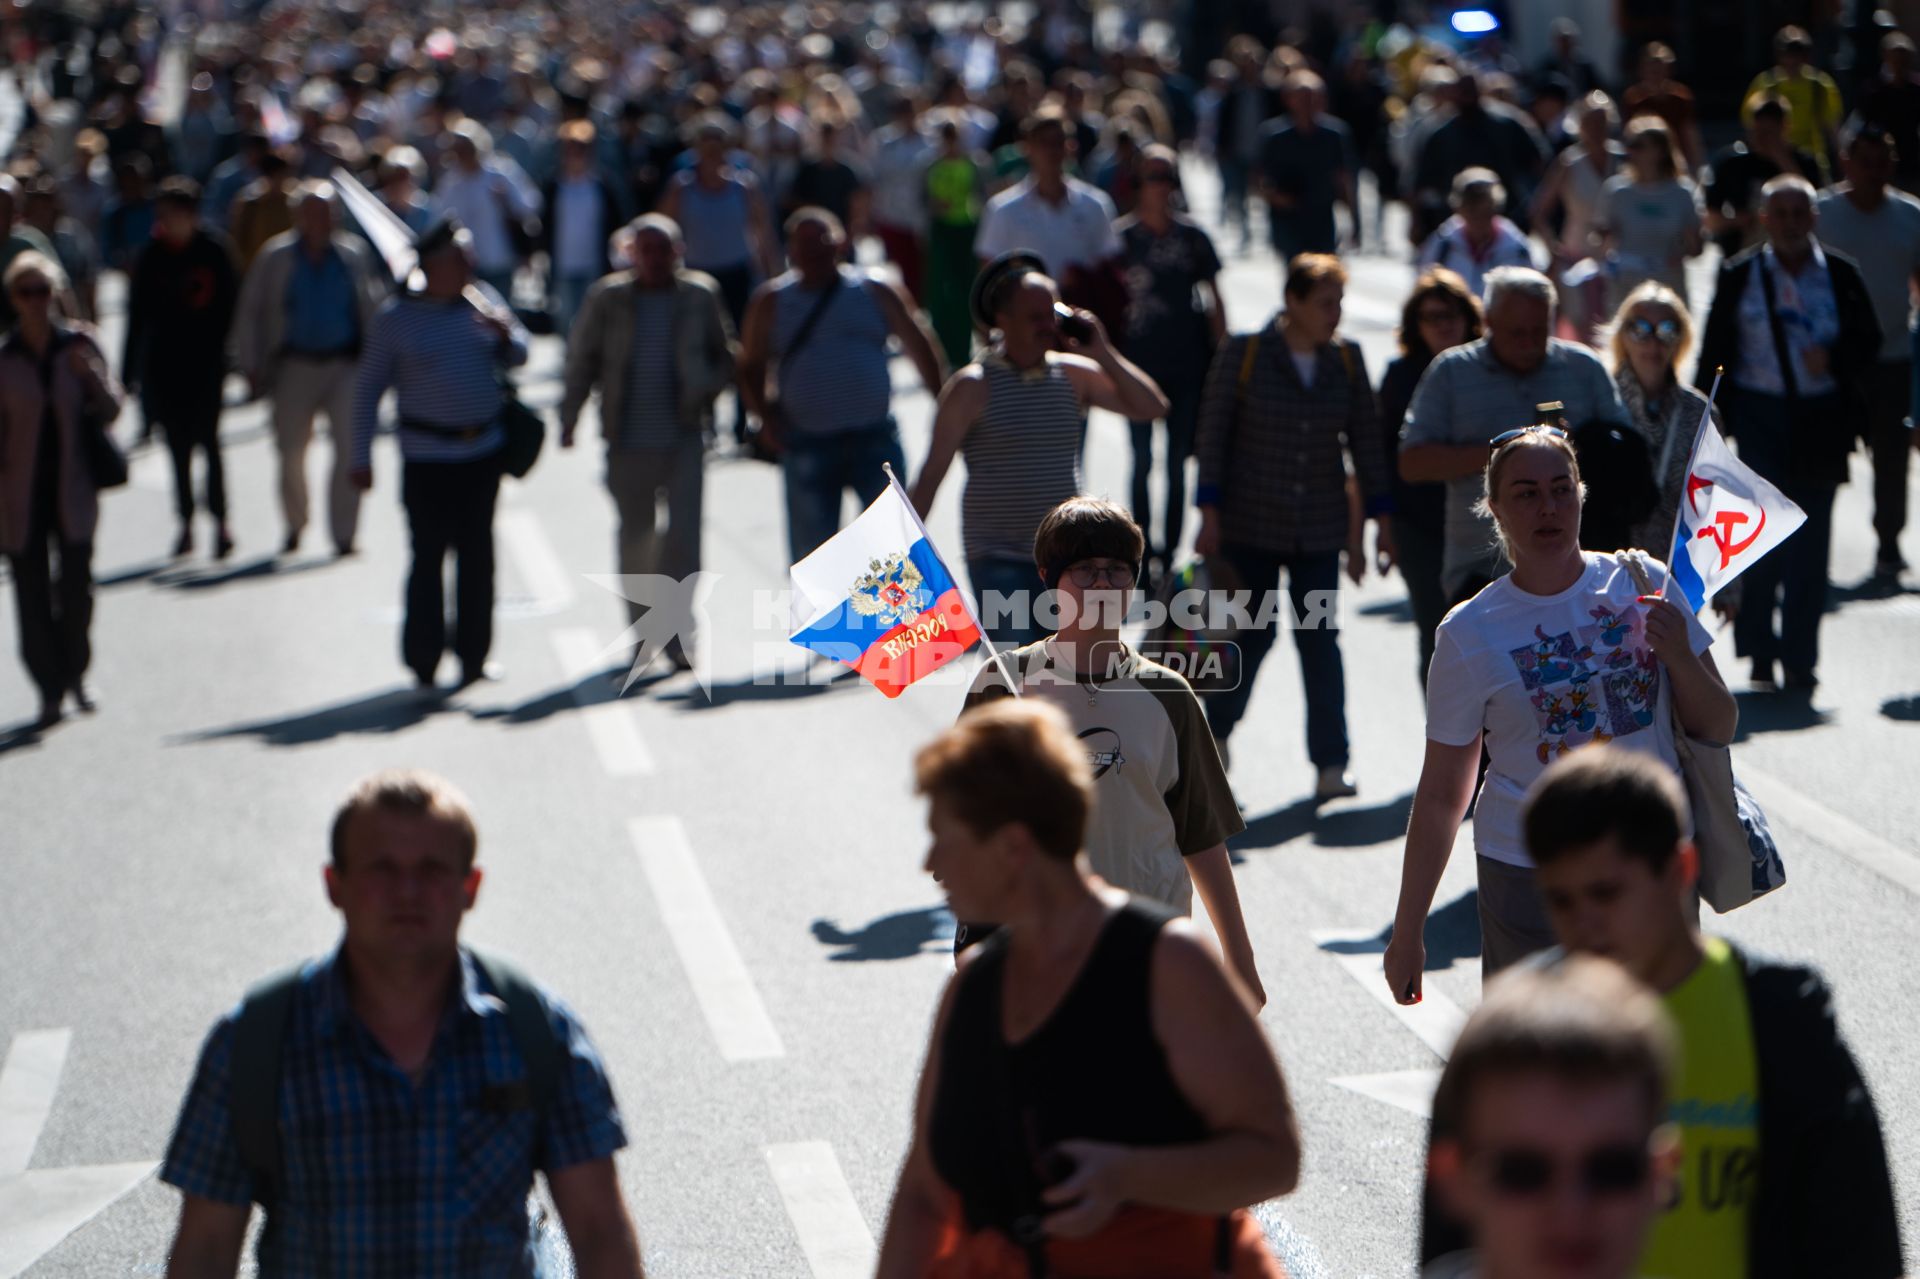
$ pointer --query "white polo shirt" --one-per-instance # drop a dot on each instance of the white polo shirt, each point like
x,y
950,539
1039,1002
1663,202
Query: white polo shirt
x,y
1076,232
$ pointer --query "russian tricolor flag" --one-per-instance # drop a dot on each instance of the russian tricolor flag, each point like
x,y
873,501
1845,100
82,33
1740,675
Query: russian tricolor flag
x,y
878,597
1728,518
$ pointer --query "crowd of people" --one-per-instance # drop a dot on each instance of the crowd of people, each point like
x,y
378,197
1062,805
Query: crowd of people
x,y
695,203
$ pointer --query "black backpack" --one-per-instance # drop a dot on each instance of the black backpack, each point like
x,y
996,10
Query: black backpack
x,y
1621,492
260,1032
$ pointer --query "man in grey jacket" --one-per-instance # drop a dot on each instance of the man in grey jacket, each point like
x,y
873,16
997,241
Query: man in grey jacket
x,y
657,343
304,310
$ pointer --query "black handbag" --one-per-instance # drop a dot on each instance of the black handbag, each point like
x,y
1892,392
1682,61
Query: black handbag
x,y
526,431
105,462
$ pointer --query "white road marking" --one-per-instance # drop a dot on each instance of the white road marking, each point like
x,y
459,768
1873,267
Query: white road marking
x,y
609,721
151,470
1782,802
39,1209
538,564
28,1083
714,968
833,1234
1436,1020
1408,1090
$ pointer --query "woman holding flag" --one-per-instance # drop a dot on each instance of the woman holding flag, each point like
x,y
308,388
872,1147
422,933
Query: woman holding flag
x,y
1561,652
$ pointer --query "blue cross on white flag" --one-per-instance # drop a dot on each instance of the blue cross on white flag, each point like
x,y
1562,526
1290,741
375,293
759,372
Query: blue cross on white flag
x,y
1729,517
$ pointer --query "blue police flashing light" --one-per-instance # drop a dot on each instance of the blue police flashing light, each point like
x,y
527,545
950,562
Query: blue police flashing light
x,y
1474,22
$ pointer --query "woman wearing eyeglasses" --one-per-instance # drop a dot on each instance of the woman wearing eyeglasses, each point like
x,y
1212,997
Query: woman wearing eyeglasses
x,y
1652,335
1562,651
54,386
1439,315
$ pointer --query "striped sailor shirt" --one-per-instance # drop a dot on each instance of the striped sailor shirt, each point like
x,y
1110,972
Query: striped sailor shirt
x,y
440,360
383,1175
1023,458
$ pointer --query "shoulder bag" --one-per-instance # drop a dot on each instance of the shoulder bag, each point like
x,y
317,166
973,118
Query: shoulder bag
x,y
106,463
1739,858
765,445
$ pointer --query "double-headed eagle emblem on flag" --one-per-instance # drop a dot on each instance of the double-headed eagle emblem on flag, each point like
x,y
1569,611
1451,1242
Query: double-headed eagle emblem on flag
x,y
891,590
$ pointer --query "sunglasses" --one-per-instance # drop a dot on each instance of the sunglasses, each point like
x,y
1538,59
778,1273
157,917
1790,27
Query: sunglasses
x,y
1608,1170
31,291
1118,576
1667,332
1508,437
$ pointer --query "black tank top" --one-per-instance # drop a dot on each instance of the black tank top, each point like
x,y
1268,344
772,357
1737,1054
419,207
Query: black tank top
x,y
1092,1071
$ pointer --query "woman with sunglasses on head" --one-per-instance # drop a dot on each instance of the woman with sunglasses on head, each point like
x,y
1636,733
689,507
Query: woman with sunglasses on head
x,y
1175,319
54,387
1562,651
1440,314
1652,335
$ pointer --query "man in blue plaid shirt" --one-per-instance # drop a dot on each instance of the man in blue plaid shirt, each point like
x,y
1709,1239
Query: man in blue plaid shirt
x,y
410,1122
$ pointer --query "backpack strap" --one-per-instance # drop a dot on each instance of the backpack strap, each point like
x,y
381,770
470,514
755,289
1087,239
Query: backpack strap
x,y
532,1030
259,1034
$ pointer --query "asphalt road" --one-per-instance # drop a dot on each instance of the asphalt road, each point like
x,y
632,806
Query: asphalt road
x,y
724,880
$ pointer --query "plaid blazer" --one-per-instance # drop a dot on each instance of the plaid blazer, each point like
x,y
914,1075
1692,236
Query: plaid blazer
x,y
1275,453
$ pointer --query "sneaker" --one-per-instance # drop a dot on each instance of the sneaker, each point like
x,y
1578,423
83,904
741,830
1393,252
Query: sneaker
x,y
1335,782
1762,680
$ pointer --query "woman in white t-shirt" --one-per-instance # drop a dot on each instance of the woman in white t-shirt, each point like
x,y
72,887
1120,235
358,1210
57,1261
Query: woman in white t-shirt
x,y
1561,652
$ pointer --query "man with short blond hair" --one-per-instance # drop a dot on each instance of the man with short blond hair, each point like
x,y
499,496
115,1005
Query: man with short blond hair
x,y
389,1104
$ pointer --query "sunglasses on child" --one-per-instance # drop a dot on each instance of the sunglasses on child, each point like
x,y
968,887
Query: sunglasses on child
x,y
1608,1170
1666,332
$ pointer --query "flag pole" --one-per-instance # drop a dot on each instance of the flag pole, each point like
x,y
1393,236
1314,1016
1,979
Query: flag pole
x,y
1706,416
994,654
394,239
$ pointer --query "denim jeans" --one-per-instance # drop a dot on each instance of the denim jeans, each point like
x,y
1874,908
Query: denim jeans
x,y
1007,592
1321,670
569,294
1183,418
820,468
